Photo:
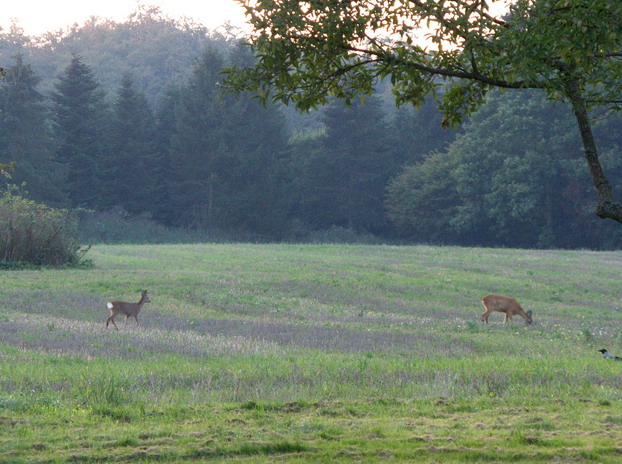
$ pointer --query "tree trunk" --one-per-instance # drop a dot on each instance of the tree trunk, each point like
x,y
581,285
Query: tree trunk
x,y
607,207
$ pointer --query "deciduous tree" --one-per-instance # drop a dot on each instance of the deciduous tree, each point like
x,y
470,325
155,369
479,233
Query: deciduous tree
x,y
311,50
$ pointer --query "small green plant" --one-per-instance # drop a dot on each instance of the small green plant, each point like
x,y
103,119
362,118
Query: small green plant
x,y
103,394
282,447
11,403
588,337
472,326
252,406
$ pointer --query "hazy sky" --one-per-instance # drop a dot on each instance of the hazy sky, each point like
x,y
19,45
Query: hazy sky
x,y
39,16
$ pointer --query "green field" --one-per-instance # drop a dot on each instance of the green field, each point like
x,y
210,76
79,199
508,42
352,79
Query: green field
x,y
313,353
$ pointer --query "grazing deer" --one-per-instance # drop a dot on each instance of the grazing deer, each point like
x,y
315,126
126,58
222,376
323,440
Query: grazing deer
x,y
504,304
127,309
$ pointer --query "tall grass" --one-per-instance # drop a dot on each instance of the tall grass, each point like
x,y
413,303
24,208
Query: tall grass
x,y
119,227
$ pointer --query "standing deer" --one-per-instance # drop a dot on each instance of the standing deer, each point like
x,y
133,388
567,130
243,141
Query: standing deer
x,y
127,309
504,304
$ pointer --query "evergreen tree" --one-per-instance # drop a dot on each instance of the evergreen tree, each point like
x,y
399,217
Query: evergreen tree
x,y
25,137
130,166
162,205
80,117
197,146
343,183
224,156
255,142
417,132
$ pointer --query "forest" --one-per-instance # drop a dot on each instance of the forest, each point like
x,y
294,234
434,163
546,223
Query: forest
x,y
131,120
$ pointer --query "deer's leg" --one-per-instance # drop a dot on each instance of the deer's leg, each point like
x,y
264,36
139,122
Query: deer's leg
x,y
484,317
136,317
111,319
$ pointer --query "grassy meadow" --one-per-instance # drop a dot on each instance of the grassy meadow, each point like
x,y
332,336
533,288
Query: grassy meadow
x,y
312,353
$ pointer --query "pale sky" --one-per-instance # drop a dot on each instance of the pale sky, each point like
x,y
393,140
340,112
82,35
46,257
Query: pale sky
x,y
39,16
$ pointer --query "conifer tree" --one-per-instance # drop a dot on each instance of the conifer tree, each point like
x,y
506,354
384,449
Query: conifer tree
x,y
343,183
128,166
80,117
25,138
162,206
256,143
225,156
197,146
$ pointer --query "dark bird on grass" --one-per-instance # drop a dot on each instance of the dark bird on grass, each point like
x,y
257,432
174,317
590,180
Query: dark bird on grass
x,y
608,355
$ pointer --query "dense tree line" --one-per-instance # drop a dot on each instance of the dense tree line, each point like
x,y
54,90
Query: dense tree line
x,y
169,145
514,176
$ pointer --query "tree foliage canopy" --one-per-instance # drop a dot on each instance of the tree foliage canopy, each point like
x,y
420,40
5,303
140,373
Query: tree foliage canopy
x,y
311,50
319,48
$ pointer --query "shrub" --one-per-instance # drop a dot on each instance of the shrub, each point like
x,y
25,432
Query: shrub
x,y
36,234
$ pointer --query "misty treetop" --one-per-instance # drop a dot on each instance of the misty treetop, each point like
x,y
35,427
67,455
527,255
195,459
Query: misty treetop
x,y
154,48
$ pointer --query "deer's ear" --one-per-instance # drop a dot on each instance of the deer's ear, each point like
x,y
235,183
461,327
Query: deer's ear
x,y
529,313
